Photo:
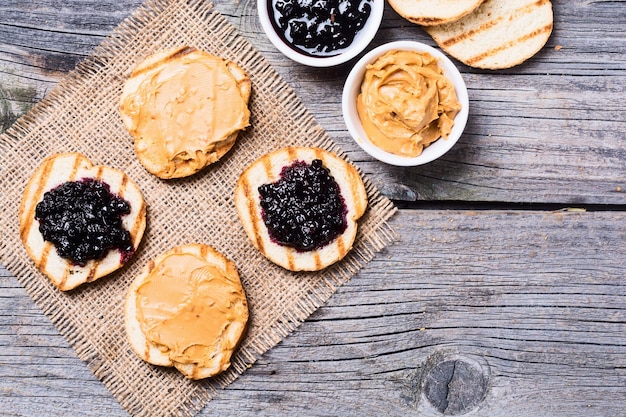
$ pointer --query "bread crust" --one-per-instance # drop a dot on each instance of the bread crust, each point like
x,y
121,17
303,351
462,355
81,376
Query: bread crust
x,y
499,34
190,161
150,352
434,12
54,171
266,170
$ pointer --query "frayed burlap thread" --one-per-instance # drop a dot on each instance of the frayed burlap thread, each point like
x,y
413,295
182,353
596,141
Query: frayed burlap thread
x,y
81,115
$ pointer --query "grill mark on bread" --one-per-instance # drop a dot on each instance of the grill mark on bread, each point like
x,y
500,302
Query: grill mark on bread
x,y
166,59
538,3
48,248
428,21
267,166
252,210
123,184
319,155
471,33
63,281
44,172
317,260
292,153
141,213
146,350
291,261
359,203
75,167
92,272
494,51
204,252
529,8
44,256
341,246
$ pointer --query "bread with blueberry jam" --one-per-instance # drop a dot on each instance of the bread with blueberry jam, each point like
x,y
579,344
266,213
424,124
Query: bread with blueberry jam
x,y
80,222
300,206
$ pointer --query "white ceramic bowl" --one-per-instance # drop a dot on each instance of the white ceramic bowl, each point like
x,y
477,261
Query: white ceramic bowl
x,y
361,40
352,89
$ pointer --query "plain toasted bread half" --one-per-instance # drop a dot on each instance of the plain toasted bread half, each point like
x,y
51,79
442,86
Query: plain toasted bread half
x,y
499,34
267,170
185,108
433,12
54,171
199,263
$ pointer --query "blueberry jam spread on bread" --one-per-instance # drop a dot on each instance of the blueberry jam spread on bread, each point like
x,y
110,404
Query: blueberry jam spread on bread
x,y
83,220
304,209
319,27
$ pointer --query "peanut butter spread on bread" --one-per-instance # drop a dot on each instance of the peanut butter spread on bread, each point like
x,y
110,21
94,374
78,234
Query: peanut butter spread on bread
x,y
406,102
182,109
186,307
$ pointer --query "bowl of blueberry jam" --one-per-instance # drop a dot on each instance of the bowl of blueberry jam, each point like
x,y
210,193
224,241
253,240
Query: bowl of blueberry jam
x,y
320,33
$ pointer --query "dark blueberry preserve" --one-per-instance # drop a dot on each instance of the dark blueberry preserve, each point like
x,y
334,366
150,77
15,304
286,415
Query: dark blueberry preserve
x,y
319,27
304,209
83,220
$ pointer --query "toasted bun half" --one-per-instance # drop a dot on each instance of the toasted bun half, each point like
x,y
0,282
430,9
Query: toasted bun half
x,y
267,170
499,34
217,354
54,171
185,108
433,12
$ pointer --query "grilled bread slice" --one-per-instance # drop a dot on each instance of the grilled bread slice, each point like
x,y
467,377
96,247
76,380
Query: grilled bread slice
x,y
267,170
433,12
499,34
54,171
190,263
185,108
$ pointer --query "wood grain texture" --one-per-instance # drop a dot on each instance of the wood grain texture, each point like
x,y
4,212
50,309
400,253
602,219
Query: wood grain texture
x,y
533,299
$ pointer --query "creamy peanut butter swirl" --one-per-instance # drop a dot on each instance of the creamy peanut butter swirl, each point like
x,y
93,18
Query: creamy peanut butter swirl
x,y
187,307
406,102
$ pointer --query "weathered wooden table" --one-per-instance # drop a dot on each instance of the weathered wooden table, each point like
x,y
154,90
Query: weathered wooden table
x,y
505,292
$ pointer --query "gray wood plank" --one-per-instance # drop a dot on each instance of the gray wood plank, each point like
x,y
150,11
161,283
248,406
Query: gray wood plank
x,y
533,301
549,131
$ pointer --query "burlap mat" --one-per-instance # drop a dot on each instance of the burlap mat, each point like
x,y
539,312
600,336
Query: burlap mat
x,y
81,114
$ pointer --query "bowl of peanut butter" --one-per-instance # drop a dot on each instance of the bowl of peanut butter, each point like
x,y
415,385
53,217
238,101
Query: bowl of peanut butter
x,y
405,103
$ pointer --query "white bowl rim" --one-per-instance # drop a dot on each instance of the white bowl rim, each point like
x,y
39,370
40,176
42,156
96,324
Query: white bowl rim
x,y
352,87
361,41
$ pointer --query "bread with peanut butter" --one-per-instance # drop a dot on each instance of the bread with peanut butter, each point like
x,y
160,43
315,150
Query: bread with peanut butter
x,y
185,108
499,34
80,222
300,206
187,309
433,12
